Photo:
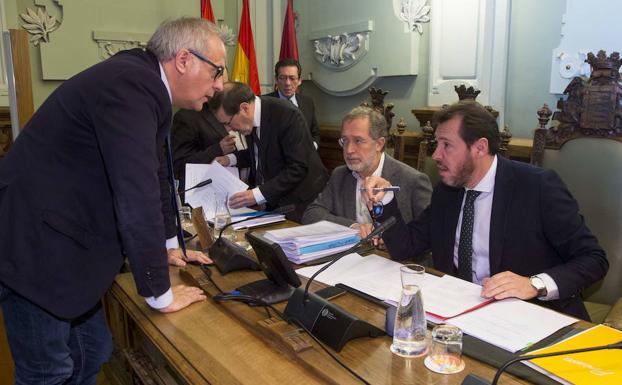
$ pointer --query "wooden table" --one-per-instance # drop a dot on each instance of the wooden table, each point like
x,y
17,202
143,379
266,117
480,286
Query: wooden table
x,y
212,343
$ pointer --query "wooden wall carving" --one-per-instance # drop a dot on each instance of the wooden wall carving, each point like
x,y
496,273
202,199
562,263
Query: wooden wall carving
x,y
591,107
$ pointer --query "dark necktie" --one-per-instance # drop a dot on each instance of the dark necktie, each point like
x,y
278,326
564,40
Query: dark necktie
x,y
171,182
259,169
465,247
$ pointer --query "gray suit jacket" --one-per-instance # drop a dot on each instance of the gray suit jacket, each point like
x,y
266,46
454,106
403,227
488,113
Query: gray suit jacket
x,y
338,200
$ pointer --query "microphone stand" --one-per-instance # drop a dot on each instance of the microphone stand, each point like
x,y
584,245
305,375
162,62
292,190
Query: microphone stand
x,y
328,322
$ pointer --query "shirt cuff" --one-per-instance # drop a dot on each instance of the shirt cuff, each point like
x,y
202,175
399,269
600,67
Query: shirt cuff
x,y
388,197
172,243
259,198
162,301
233,160
552,291
315,144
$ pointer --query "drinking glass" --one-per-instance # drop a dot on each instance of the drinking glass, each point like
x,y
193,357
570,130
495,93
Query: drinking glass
x,y
222,216
446,351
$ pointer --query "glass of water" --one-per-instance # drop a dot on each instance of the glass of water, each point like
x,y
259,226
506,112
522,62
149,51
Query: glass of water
x,y
222,217
446,352
409,333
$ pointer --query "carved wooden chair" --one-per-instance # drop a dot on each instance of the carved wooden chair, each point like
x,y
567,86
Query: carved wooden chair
x,y
585,148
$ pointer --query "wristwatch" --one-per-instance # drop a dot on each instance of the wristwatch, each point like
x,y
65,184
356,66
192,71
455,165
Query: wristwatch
x,y
538,283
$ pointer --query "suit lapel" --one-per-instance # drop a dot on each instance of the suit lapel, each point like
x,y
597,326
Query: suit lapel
x,y
453,204
504,187
348,201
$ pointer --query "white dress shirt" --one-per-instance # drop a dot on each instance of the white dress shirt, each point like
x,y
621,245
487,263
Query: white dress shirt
x,y
481,234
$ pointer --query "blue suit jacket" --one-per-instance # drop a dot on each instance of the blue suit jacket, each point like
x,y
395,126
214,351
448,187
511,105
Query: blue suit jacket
x,y
83,186
535,227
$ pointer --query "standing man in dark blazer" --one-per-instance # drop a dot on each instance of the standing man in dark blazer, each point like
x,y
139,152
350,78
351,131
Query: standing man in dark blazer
x,y
288,74
284,167
83,186
510,226
363,140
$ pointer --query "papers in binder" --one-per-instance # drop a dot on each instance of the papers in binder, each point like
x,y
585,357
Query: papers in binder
x,y
306,243
603,367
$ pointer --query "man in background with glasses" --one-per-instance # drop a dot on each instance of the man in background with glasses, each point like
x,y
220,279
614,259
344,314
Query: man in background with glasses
x,y
363,136
284,166
83,187
288,74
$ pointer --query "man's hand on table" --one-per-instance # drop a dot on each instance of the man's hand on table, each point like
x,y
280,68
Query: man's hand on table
x,y
507,285
176,257
184,296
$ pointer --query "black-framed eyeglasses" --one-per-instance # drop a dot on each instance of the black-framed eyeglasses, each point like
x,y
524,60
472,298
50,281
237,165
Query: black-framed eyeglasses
x,y
230,119
220,70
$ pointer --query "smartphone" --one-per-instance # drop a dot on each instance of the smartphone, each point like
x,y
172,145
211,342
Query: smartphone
x,y
330,292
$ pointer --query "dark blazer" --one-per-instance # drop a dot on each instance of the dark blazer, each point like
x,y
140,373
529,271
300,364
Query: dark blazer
x,y
535,227
292,170
84,184
195,138
337,203
307,107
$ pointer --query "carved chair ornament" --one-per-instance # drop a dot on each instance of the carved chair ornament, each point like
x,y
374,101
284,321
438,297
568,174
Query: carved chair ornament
x,y
591,107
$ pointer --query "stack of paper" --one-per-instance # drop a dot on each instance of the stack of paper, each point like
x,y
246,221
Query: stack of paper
x,y
306,243
239,215
510,324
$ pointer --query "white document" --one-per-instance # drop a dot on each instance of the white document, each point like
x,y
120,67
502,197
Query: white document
x,y
511,324
451,296
373,275
222,181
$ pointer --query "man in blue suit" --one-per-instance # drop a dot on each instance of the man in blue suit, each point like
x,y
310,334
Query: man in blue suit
x,y
83,187
509,226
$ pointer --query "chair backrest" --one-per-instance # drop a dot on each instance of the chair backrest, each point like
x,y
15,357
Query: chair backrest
x,y
585,148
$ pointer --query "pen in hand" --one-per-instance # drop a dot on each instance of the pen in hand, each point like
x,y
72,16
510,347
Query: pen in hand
x,y
383,189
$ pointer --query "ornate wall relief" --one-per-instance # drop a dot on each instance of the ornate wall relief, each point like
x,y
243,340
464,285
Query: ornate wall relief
x,y
110,42
39,25
414,13
340,52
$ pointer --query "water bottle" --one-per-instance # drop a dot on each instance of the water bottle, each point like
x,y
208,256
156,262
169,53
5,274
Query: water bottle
x,y
410,327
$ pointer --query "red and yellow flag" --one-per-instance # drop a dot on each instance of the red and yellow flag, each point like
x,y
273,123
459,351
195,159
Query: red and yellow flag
x,y
206,11
245,63
289,45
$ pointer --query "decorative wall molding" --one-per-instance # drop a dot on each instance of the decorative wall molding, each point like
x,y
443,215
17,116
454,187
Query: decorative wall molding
x,y
414,13
111,42
39,25
340,48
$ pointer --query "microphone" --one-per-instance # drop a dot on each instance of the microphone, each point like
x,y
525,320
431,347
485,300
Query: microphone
x,y
472,379
229,256
200,184
328,322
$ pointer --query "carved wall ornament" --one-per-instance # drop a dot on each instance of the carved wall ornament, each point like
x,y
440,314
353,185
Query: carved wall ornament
x,y
111,42
415,13
340,52
591,107
39,25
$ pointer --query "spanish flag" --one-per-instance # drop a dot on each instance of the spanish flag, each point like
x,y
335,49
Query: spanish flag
x,y
206,11
245,63
289,45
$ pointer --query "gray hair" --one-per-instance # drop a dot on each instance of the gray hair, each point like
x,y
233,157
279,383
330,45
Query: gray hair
x,y
185,32
377,122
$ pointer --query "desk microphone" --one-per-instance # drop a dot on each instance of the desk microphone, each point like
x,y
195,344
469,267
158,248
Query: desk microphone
x,y
472,379
200,184
229,256
327,321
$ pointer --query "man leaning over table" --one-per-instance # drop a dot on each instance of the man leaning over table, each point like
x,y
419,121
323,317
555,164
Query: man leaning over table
x,y
84,185
284,166
363,136
509,226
